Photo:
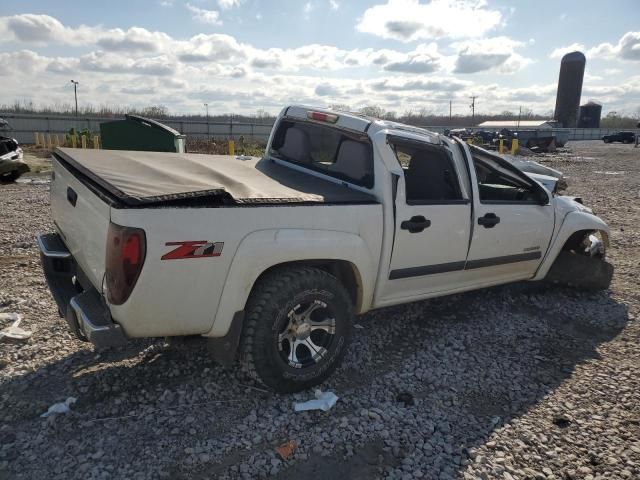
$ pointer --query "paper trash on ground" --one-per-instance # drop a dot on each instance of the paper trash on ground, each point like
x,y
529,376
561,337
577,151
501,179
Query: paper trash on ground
x,y
323,401
62,407
13,331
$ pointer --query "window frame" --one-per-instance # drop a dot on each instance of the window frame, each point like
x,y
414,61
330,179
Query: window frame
x,y
527,182
368,180
397,139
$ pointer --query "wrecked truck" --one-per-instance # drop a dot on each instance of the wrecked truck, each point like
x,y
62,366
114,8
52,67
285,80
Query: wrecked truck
x,y
12,163
270,258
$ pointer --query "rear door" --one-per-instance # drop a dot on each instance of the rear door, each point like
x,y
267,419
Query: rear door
x,y
511,226
433,215
82,219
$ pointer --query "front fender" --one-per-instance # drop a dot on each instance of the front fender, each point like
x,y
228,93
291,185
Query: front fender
x,y
573,222
264,249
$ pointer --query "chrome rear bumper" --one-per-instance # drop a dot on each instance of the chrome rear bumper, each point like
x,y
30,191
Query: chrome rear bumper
x,y
78,302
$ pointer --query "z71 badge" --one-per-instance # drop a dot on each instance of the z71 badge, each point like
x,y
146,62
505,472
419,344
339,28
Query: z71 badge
x,y
199,249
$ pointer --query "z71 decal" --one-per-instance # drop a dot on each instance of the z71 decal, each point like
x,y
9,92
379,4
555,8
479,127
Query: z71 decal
x,y
199,249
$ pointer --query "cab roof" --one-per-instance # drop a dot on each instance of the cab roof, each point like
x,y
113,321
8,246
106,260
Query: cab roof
x,y
361,123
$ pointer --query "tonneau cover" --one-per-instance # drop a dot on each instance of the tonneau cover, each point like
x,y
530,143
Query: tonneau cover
x,y
145,178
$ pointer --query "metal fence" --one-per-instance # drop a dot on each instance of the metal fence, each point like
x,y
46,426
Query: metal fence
x,y
25,125
574,133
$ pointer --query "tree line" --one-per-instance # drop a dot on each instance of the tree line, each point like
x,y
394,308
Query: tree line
x,y
422,116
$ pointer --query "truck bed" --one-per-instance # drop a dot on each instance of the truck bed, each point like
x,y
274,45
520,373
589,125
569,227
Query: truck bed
x,y
140,179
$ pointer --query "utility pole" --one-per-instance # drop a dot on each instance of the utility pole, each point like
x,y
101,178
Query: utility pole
x,y
206,106
519,116
473,109
75,94
449,111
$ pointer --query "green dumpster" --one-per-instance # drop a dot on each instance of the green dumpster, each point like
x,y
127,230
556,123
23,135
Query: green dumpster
x,y
139,133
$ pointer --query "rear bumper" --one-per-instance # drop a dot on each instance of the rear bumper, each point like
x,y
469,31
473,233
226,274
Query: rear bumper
x,y
78,301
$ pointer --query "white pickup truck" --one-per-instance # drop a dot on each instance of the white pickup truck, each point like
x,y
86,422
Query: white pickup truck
x,y
270,258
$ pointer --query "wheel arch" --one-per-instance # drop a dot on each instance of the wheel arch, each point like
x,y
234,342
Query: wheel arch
x,y
574,225
344,255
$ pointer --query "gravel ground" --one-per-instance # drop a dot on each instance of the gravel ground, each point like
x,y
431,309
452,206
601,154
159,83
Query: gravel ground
x,y
515,382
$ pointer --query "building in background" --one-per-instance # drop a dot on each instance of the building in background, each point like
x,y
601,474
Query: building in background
x,y
511,124
569,89
589,115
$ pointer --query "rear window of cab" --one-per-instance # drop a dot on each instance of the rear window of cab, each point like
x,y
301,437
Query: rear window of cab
x,y
341,154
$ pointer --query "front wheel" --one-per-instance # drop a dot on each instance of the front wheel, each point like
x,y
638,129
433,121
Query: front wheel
x,y
10,177
297,327
580,271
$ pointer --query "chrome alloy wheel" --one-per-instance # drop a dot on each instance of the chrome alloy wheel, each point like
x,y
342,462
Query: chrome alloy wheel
x,y
307,335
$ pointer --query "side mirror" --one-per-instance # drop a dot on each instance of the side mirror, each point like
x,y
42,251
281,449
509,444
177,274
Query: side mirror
x,y
542,197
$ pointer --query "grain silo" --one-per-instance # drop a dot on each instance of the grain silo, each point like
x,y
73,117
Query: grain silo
x,y
569,88
589,115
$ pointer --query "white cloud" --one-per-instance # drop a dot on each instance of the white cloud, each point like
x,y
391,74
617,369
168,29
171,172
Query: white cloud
x,y
627,48
424,59
227,4
211,17
328,90
496,54
138,67
41,29
334,5
23,61
410,20
562,51
209,48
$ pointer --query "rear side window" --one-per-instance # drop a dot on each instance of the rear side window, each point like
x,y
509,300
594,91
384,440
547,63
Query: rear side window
x,y
335,152
429,173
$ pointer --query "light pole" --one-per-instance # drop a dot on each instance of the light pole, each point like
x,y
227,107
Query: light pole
x,y
75,94
206,106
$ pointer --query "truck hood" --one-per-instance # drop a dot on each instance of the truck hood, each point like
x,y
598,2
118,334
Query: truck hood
x,y
546,181
565,204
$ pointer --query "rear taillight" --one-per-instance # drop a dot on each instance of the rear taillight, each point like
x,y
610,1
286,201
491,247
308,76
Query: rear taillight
x,y
126,249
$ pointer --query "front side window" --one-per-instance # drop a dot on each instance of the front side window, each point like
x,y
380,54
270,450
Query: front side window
x,y
335,152
497,184
429,173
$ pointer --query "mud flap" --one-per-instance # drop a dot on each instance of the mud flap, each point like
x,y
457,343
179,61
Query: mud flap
x,y
580,271
223,349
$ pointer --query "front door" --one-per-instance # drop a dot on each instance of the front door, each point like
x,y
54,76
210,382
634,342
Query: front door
x,y
512,229
433,216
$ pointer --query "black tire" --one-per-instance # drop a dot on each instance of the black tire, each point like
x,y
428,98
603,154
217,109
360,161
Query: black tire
x,y
580,271
276,300
9,177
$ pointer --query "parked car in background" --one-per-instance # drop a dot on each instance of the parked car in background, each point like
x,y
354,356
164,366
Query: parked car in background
x,y
12,163
623,137
275,255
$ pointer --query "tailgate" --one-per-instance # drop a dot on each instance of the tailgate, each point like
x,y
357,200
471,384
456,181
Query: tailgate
x,y
82,218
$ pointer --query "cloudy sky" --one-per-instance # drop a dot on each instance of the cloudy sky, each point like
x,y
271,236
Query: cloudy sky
x,y
245,55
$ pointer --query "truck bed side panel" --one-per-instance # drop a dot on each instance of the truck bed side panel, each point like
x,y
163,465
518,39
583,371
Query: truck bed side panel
x,y
180,296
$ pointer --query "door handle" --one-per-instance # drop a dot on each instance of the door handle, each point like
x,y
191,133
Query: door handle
x,y
415,224
490,220
72,196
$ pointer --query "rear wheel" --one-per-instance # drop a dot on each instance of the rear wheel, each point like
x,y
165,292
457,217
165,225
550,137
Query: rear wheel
x,y
296,329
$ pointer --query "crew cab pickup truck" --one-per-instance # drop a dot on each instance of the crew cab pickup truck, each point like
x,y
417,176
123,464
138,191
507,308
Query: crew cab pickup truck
x,y
270,258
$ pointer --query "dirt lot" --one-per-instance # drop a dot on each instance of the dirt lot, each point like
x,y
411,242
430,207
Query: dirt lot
x,y
517,382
